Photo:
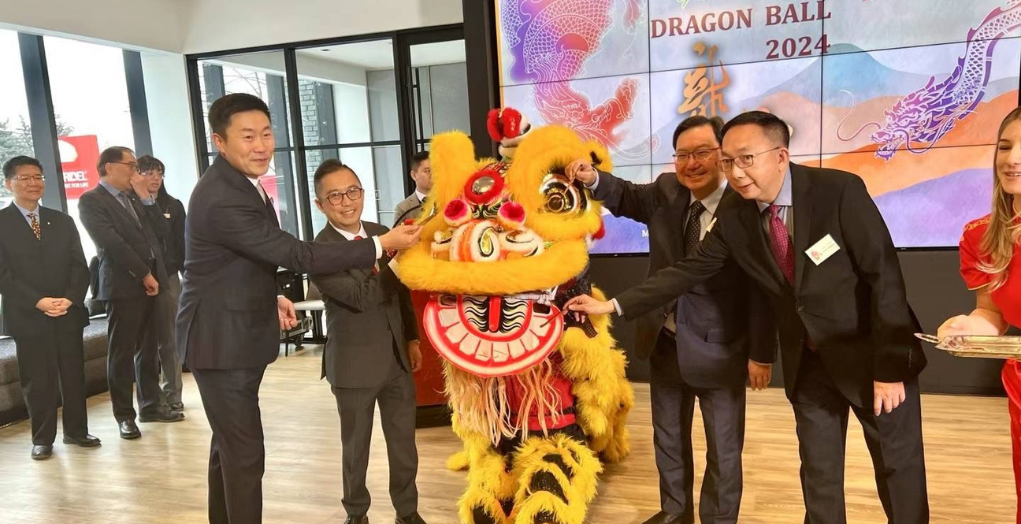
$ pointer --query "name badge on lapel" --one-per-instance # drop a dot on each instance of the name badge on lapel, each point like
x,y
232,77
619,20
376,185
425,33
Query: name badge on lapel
x,y
822,250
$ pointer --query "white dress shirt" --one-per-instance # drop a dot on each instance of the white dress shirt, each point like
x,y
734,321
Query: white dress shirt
x,y
361,233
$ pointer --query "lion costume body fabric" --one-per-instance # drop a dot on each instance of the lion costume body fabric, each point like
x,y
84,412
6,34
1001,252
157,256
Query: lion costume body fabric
x,y
539,398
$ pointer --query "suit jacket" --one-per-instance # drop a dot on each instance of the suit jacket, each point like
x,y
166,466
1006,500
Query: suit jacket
x,y
406,208
366,316
722,322
32,268
227,318
128,249
173,243
852,305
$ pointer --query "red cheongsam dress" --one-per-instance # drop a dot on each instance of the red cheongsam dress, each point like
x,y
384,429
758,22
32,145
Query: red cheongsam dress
x,y
1008,298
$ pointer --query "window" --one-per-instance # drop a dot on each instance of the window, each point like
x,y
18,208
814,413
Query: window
x,y
15,127
90,101
348,100
262,75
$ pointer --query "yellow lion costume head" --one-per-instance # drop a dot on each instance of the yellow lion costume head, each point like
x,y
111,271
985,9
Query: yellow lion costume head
x,y
504,245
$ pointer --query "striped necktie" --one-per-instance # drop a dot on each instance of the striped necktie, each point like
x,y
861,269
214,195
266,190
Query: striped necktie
x,y
35,226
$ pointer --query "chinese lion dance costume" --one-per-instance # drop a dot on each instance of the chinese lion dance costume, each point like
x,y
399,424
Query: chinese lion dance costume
x,y
539,397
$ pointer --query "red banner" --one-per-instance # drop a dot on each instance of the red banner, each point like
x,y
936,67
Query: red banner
x,y
78,155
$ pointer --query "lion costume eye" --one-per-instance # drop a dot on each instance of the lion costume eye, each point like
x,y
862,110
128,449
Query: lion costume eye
x,y
561,196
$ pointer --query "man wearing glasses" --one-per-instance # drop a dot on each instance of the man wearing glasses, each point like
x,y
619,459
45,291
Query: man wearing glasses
x,y
815,242
43,280
706,342
125,223
172,245
371,353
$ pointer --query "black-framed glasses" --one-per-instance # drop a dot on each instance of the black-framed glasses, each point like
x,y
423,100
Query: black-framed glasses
x,y
34,178
700,155
353,194
131,165
154,173
742,161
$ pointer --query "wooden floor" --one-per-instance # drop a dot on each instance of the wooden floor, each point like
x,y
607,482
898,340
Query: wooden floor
x,y
161,477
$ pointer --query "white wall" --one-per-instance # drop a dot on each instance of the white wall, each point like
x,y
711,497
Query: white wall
x,y
135,24
308,67
215,25
173,140
192,26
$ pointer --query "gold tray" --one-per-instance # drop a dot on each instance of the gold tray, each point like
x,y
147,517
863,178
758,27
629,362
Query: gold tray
x,y
977,346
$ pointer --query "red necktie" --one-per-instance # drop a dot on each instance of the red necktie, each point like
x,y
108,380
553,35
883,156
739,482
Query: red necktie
x,y
783,252
375,267
780,244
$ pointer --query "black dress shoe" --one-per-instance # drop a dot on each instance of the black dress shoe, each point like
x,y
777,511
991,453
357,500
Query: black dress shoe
x,y
161,415
42,452
88,441
414,518
128,429
665,518
356,519
177,407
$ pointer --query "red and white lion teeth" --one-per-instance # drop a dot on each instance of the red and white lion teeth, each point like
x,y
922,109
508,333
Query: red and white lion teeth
x,y
454,326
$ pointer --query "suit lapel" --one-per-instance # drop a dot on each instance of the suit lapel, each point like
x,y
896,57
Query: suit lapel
x,y
113,201
16,222
800,186
678,198
752,220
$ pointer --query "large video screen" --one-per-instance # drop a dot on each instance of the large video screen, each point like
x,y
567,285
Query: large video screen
x,y
907,94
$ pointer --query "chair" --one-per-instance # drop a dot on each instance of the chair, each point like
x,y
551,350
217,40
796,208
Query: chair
x,y
314,306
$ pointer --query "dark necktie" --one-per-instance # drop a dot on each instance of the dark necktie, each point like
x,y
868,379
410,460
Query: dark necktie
x,y
126,202
35,226
693,228
375,266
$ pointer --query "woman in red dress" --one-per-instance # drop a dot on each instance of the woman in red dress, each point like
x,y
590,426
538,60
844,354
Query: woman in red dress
x,y
991,266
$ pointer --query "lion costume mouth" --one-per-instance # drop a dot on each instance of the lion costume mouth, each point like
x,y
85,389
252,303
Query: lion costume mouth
x,y
493,336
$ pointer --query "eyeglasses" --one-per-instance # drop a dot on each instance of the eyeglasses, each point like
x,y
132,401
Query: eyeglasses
x,y
742,161
337,197
35,178
701,155
155,173
131,165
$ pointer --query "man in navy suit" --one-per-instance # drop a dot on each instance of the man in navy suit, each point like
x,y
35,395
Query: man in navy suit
x,y
43,279
707,342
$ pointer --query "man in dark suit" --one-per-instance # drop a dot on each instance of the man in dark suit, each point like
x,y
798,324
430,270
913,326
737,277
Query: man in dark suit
x,y
421,173
124,221
230,314
837,293
43,280
371,353
703,345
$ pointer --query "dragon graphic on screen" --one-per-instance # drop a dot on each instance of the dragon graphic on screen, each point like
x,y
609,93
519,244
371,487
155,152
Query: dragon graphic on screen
x,y
538,395
920,119
550,41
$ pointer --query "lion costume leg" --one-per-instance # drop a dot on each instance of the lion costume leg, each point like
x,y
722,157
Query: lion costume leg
x,y
556,480
490,490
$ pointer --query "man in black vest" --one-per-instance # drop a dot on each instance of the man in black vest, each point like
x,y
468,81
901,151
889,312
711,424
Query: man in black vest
x,y
43,280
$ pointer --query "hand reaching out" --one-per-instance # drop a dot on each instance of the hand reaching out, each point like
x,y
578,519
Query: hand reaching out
x,y
285,311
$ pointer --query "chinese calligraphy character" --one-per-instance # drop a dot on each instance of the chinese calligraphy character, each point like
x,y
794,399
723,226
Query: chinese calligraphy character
x,y
698,85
